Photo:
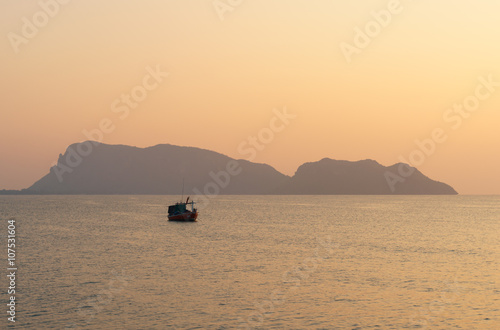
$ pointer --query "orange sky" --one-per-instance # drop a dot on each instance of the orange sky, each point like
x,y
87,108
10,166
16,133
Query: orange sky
x,y
225,77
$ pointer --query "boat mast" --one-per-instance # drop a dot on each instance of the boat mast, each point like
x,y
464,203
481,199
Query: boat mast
x,y
182,198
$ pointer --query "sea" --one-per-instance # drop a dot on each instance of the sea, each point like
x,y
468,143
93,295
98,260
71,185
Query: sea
x,y
253,262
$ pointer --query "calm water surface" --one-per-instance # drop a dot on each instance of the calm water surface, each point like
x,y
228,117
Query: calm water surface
x,y
270,262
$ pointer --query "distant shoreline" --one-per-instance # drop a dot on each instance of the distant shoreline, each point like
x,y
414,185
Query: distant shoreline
x,y
31,193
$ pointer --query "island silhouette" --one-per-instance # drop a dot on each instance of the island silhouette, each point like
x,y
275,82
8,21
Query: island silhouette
x,y
91,167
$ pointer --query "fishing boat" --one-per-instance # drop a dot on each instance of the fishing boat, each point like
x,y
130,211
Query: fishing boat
x,y
180,212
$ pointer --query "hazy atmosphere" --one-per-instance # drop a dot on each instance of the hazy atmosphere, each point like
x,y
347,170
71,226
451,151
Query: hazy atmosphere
x,y
393,81
259,164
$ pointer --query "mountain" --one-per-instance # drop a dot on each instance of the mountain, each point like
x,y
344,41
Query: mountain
x,y
96,168
366,177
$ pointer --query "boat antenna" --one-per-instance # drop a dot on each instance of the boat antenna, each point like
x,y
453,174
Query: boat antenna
x,y
182,198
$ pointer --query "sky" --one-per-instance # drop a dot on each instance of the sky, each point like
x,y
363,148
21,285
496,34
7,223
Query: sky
x,y
292,81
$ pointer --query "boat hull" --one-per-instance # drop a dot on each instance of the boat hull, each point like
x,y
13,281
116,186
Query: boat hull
x,y
184,217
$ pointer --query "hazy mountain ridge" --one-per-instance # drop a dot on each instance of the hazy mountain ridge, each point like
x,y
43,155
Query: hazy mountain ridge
x,y
119,169
364,177
160,169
